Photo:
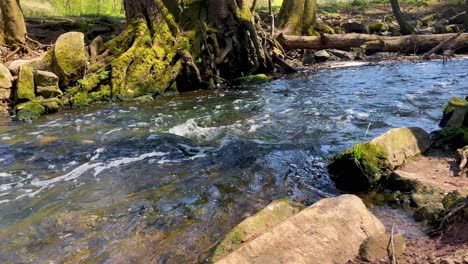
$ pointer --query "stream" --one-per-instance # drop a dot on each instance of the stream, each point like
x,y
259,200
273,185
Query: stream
x,y
162,182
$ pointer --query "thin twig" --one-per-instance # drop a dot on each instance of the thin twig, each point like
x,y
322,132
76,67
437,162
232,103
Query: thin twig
x,y
12,53
391,246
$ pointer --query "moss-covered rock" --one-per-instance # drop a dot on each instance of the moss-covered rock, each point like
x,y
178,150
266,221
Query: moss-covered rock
x,y
428,19
400,144
358,168
453,137
429,213
52,105
25,86
251,80
5,83
250,228
47,84
378,27
455,114
29,111
69,58
81,99
421,199
452,199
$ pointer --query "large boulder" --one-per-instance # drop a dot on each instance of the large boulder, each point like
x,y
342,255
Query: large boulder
x,y
400,144
5,83
47,84
330,231
363,165
69,58
25,86
252,227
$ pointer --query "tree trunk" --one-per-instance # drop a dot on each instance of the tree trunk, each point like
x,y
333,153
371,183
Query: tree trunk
x,y
409,44
297,17
214,41
405,29
13,22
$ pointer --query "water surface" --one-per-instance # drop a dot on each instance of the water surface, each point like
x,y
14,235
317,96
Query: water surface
x,y
164,181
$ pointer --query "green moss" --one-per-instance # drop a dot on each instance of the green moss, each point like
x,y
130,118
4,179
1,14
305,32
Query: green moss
x,y
453,137
454,103
29,111
25,86
452,199
102,95
377,27
359,167
251,80
81,99
52,105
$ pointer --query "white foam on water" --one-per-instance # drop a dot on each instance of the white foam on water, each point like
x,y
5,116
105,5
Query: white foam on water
x,y
192,130
112,131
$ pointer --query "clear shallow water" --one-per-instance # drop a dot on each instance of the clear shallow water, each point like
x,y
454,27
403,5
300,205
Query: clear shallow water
x,y
164,181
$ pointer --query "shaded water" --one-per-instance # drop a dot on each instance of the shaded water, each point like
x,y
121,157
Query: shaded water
x,y
164,181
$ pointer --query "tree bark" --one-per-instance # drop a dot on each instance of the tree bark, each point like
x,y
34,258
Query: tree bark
x,y
297,17
210,42
13,22
373,43
405,29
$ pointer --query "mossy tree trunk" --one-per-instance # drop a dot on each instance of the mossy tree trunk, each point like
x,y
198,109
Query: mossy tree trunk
x,y
13,23
405,29
297,17
183,46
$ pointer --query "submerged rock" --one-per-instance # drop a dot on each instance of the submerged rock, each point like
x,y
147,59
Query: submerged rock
x,y
5,83
330,231
69,58
47,84
25,86
252,227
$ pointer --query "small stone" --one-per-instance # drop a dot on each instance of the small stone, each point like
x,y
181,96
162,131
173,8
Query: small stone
x,y
5,83
354,27
322,55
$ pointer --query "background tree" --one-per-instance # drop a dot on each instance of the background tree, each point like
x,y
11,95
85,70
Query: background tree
x,y
214,40
405,29
14,27
297,17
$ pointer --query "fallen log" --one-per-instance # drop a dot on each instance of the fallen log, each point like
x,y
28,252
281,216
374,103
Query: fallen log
x,y
441,45
373,43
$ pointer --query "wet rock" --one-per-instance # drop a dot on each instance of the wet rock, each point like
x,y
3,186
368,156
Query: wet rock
x,y
374,249
46,84
400,144
448,13
29,111
252,227
69,58
322,55
308,59
315,235
455,114
429,213
95,47
341,54
354,27
452,28
25,86
458,19
5,83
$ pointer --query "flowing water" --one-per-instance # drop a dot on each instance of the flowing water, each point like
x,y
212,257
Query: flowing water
x,y
162,182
